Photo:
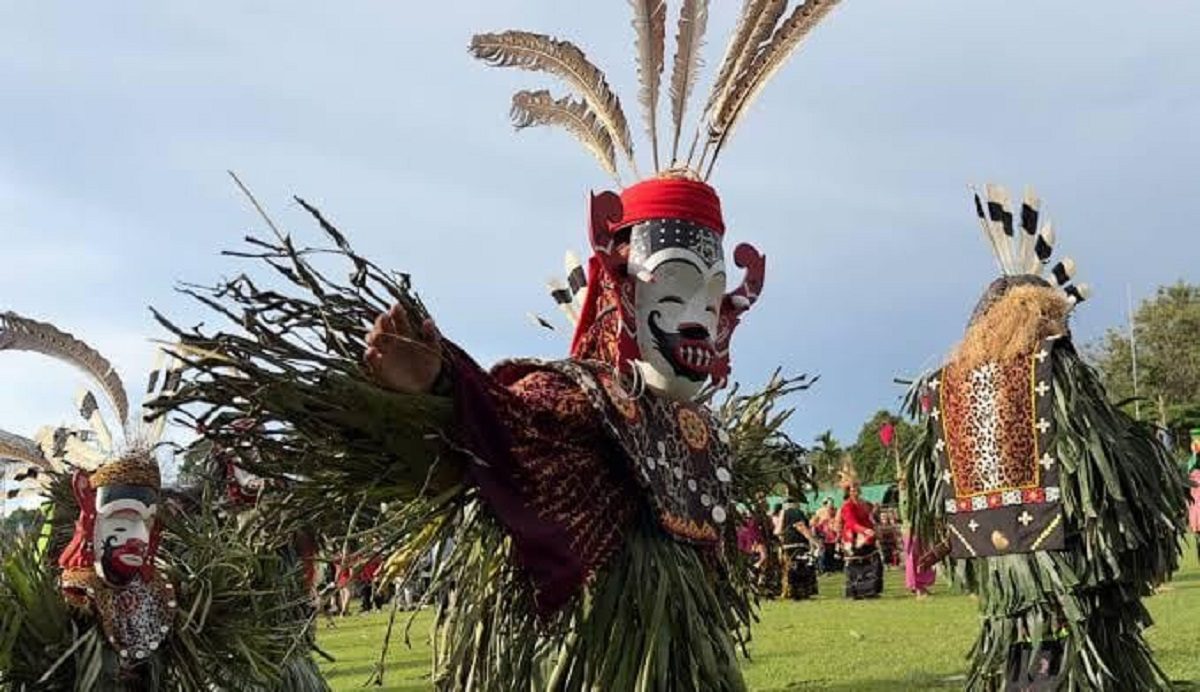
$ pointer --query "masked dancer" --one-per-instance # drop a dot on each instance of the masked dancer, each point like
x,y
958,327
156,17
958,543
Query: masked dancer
x,y
1059,511
593,500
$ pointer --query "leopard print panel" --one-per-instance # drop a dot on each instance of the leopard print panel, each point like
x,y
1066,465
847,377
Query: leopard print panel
x,y
989,427
994,439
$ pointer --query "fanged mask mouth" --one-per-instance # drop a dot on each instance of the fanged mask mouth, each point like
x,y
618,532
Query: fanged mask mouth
x,y
690,358
695,356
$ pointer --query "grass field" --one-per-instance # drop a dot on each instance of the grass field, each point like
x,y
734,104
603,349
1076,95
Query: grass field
x,y
894,643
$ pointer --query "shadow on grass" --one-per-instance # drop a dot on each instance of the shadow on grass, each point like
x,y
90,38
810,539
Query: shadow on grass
x,y
1187,577
915,683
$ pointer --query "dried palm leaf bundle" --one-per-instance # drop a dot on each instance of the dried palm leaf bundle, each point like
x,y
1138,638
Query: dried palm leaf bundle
x,y
400,472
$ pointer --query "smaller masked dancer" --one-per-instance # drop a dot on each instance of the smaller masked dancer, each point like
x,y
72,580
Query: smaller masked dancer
x,y
113,612
919,574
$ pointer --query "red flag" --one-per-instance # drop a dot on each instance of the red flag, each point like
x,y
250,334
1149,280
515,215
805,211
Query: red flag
x,y
887,433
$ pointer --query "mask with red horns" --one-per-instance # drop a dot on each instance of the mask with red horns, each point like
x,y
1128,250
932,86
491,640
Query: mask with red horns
x,y
656,305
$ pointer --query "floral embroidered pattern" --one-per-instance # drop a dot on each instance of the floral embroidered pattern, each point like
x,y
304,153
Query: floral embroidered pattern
x,y
695,432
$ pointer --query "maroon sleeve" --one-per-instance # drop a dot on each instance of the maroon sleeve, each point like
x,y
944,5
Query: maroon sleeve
x,y
542,465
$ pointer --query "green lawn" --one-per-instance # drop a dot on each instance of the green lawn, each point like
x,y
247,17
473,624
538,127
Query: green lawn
x,y
893,643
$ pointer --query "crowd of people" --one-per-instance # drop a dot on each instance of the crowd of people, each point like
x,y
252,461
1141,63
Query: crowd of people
x,y
790,549
360,575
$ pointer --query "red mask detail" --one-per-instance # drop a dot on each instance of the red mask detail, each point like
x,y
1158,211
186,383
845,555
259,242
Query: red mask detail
x,y
78,552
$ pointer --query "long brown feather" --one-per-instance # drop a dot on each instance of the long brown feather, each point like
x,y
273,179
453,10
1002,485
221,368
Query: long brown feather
x,y
758,31
771,58
540,53
22,449
22,334
693,20
747,19
650,27
531,108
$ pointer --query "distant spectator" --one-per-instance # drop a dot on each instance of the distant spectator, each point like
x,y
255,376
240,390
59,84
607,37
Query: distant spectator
x,y
825,526
864,568
798,545
1194,477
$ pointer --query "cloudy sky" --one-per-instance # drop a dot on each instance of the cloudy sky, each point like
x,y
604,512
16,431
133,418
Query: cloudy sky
x,y
118,122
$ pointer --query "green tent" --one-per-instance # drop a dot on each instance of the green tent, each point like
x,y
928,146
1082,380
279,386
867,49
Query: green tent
x,y
880,494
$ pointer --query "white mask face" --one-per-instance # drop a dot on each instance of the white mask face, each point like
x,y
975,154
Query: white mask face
x,y
124,519
680,276
246,480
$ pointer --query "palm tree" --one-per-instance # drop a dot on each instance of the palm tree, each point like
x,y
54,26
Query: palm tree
x,y
826,457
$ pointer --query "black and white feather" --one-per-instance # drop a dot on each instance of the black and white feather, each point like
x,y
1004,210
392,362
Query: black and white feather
x,y
24,468
163,380
569,293
1022,243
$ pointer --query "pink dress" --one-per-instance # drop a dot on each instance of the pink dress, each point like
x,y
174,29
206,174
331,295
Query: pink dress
x,y
915,579
1194,512
749,537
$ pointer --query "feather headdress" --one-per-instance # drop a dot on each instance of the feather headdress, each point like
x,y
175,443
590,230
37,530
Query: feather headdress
x,y
765,36
1022,247
87,451
23,450
568,294
22,334
847,474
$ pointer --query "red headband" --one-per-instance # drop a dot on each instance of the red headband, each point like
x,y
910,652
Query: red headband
x,y
672,198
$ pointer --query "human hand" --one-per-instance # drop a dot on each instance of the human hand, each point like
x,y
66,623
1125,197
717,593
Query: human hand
x,y
399,359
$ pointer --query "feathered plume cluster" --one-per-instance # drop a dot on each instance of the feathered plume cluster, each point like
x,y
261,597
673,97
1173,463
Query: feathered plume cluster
x,y
1026,252
568,294
23,450
766,35
61,447
21,334
27,467
847,474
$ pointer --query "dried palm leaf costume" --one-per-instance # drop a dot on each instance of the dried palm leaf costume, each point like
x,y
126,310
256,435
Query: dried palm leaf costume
x,y
1057,509
108,616
587,499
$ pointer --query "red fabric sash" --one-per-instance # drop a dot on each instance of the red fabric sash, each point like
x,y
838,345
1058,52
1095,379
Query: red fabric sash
x,y
672,198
